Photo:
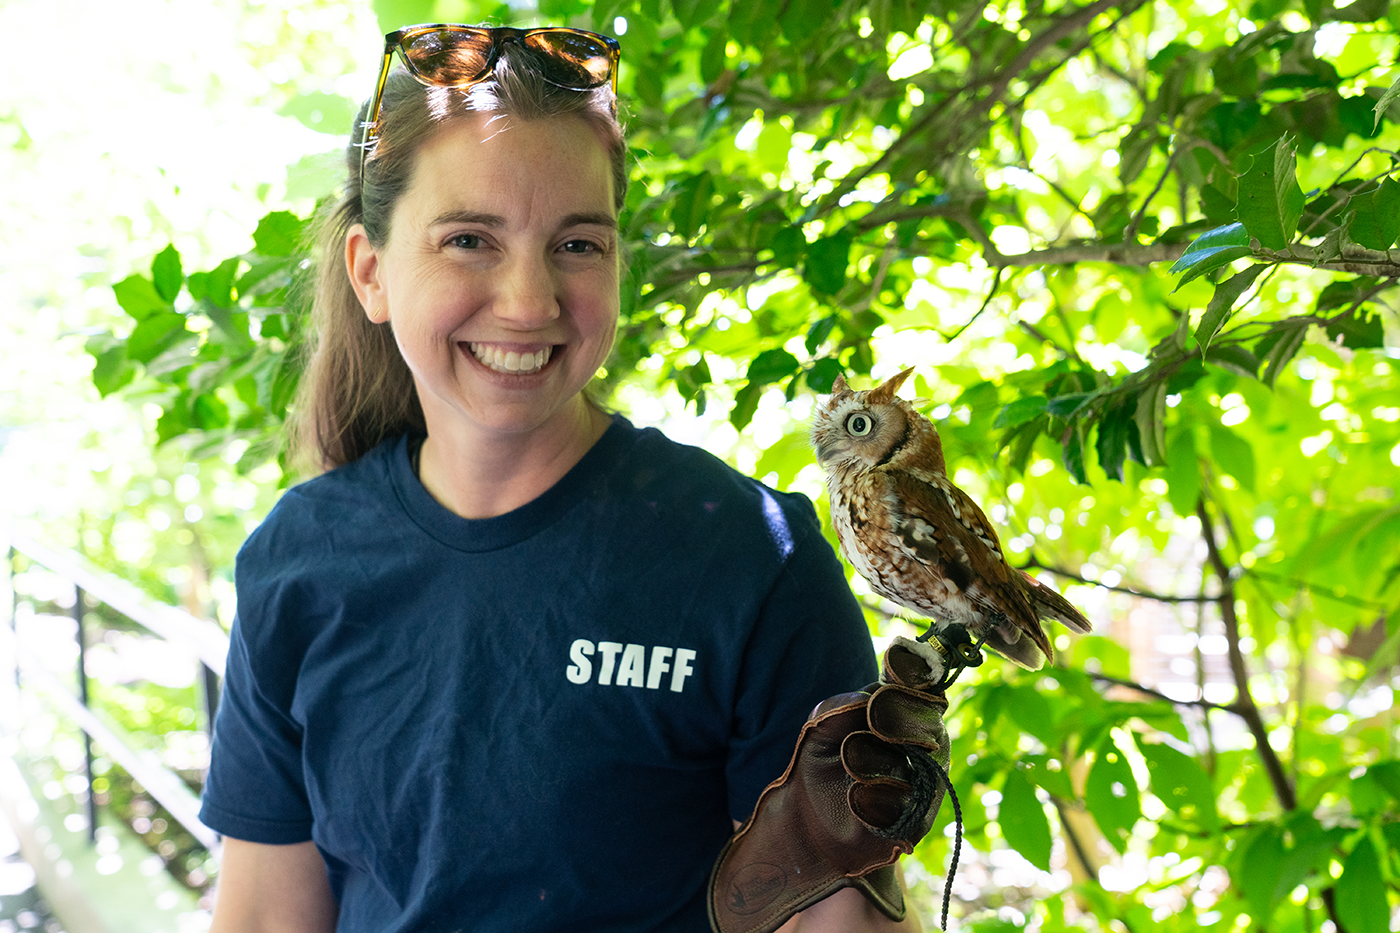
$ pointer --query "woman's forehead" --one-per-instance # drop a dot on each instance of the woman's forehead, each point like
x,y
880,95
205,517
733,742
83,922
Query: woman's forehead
x,y
482,159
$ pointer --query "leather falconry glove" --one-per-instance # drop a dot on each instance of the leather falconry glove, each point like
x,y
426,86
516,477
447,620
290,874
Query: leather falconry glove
x,y
858,793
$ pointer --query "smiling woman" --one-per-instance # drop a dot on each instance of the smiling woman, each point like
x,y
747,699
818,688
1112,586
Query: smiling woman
x,y
509,654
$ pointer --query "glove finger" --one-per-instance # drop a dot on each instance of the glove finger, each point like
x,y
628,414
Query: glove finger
x,y
908,717
842,701
879,806
914,664
871,759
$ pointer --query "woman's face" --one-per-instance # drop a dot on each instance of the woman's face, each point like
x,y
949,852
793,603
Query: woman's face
x,y
500,273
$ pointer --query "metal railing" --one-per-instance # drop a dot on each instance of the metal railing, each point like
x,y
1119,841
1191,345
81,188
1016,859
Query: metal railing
x,y
203,639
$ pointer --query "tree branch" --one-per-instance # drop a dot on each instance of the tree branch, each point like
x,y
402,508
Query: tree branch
x,y
1033,563
1244,701
1140,688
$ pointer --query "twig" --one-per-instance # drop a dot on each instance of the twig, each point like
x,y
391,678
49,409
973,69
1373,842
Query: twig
x,y
1244,701
991,293
1140,688
1033,563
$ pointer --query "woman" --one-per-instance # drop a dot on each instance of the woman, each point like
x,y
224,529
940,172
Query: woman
x,y
511,663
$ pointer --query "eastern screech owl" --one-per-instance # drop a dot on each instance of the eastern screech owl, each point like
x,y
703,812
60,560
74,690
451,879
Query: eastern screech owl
x,y
918,539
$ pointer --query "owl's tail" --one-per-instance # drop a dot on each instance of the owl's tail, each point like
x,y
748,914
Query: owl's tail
x,y
1049,604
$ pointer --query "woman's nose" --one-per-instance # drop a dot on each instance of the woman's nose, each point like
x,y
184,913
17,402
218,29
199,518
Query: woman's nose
x,y
527,295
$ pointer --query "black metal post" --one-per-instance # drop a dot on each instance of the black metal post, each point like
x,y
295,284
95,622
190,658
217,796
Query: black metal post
x,y
210,683
83,698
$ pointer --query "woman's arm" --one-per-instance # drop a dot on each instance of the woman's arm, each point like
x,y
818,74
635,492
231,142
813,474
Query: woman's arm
x,y
273,889
847,911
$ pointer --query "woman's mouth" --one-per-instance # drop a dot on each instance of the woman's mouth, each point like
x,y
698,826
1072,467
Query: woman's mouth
x,y
510,362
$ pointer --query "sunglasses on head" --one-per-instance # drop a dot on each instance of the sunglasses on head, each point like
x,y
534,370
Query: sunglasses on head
x,y
449,55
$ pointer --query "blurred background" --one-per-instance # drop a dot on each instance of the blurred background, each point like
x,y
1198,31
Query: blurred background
x,y
1139,252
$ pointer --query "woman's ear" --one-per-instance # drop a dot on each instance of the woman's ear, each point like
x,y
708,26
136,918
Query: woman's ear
x,y
362,264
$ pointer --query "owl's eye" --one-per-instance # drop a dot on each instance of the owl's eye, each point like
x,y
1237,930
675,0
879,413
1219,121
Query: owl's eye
x,y
859,424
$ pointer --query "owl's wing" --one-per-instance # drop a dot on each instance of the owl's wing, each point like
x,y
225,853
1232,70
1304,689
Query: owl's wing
x,y
951,535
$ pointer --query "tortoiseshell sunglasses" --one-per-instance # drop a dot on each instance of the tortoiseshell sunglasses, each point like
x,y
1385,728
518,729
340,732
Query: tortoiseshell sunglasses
x,y
452,55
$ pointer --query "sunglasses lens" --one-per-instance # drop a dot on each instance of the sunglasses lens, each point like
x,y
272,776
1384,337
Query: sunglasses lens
x,y
449,57
578,61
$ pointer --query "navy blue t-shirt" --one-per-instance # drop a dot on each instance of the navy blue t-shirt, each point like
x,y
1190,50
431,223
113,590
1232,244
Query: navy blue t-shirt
x,y
540,721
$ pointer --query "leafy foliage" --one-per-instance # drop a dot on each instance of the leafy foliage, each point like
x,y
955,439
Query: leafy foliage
x,y
1141,255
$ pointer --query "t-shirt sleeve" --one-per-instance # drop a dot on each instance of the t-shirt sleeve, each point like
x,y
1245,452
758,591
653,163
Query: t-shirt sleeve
x,y
810,643
255,790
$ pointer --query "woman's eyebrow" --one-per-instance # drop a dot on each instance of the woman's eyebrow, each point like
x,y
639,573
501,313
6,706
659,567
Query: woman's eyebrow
x,y
597,219
469,217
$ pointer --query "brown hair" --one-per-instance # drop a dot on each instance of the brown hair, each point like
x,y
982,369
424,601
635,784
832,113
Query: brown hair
x,y
356,390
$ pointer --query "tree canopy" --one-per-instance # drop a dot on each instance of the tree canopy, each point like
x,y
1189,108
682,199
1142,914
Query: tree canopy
x,y
1140,256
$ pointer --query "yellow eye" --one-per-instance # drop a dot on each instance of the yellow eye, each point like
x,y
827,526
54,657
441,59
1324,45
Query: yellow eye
x,y
859,424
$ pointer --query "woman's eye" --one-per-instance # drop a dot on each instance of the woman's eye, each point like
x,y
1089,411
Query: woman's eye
x,y
466,241
581,247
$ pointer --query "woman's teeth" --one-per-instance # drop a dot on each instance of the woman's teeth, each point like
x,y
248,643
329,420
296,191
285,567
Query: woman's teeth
x,y
509,361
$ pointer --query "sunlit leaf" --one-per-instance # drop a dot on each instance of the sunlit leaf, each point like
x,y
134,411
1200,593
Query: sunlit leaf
x,y
138,297
1222,303
166,273
1270,201
1361,894
153,335
1212,250
1022,820
1111,794
1181,783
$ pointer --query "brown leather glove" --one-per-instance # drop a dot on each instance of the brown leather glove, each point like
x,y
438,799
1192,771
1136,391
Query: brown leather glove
x,y
858,793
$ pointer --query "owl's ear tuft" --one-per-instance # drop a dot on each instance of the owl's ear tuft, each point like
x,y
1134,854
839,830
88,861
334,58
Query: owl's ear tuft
x,y
885,392
839,386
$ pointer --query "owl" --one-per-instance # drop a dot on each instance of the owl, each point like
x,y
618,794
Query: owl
x,y
918,539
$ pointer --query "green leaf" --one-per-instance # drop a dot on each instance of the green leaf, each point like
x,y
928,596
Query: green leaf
x,y
1019,412
1234,358
210,412
827,258
1150,419
1211,250
112,368
690,207
712,57
1223,302
745,404
1072,449
819,332
218,286
154,335
1064,406
1116,428
279,234
822,375
692,13
138,297
166,274
1375,221
1183,472
771,366
1270,201
1233,453
1111,794
789,246
1279,347
1182,784
1386,99
1357,330
1361,897
1022,820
